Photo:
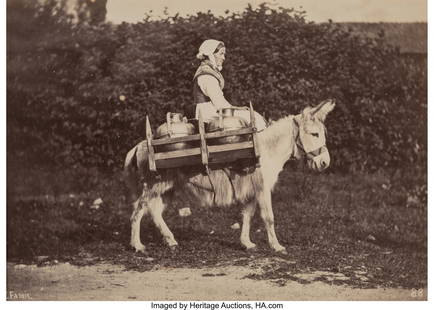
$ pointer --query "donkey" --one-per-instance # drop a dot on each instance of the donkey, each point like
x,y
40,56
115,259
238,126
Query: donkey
x,y
290,137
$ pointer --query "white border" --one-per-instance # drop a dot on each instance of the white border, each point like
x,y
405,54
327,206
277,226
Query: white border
x,y
146,305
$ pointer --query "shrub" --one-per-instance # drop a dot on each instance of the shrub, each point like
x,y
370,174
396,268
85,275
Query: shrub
x,y
78,94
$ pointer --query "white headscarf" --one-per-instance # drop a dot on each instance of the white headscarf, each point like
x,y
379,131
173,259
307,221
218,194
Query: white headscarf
x,y
207,48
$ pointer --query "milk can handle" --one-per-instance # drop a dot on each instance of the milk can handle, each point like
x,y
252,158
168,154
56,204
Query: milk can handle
x,y
220,112
169,124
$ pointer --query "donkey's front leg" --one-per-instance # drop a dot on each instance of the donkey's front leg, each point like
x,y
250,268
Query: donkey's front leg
x,y
247,212
156,208
264,201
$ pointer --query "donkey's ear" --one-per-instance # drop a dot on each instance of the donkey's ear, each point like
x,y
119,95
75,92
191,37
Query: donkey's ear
x,y
307,113
323,109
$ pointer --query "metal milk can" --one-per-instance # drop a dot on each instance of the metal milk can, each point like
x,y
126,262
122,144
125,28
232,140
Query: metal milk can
x,y
227,121
175,126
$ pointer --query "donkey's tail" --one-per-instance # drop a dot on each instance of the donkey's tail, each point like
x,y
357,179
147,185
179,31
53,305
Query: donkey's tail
x,y
135,161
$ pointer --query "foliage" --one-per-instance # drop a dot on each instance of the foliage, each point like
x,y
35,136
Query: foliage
x,y
78,94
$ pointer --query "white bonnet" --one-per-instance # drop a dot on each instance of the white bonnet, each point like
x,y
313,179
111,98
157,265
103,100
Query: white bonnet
x,y
207,48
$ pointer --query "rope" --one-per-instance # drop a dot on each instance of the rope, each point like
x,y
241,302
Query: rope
x,y
205,188
212,185
234,194
226,171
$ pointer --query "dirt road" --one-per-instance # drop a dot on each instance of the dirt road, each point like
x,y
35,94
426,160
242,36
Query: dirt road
x,y
112,282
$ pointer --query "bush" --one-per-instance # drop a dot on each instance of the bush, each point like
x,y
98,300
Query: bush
x,y
78,94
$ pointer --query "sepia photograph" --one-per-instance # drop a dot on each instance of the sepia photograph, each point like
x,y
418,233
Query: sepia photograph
x,y
231,154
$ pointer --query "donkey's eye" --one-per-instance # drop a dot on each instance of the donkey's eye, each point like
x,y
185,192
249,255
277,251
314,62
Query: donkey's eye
x,y
315,134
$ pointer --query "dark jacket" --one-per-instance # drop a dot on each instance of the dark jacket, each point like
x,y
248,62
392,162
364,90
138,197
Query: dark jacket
x,y
205,68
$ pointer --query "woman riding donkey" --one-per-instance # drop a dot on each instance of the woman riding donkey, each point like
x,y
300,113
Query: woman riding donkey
x,y
208,84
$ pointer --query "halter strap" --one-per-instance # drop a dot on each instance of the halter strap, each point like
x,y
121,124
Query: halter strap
x,y
296,136
299,147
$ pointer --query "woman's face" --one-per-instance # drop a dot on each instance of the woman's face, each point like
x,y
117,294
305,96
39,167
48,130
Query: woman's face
x,y
220,56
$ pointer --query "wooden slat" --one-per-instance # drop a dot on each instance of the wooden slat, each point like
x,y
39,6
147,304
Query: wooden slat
x,y
209,135
254,135
176,139
168,161
179,153
194,160
226,133
227,157
230,147
217,154
151,155
211,149
252,116
203,146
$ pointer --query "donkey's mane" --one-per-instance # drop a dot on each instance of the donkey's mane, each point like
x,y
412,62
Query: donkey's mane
x,y
272,135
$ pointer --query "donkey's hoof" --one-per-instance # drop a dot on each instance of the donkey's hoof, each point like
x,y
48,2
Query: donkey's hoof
x,y
172,244
142,251
282,251
139,248
251,247
173,248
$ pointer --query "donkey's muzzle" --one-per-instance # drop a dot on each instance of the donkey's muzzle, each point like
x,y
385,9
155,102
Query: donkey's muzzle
x,y
320,161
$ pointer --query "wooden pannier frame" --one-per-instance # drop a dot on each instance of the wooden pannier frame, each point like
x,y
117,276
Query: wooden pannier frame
x,y
204,154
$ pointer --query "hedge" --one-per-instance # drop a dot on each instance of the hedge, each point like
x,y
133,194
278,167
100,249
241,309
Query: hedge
x,y
77,94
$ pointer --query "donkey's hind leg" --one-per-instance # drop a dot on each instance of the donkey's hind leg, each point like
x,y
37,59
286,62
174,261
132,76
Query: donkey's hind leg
x,y
156,208
139,210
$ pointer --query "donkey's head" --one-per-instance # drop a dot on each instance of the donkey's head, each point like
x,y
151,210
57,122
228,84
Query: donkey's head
x,y
312,134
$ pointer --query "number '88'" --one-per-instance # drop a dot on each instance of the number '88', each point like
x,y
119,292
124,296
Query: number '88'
x,y
416,292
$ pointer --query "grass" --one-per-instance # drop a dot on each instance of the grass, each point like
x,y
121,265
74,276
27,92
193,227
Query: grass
x,y
371,228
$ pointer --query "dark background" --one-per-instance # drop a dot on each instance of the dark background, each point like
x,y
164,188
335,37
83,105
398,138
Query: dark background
x,y
66,77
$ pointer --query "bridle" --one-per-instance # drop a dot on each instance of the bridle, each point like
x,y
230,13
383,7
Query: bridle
x,y
298,146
